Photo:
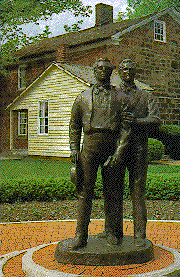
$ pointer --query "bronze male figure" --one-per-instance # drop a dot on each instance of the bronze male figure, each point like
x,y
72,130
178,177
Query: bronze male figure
x,y
97,112
139,115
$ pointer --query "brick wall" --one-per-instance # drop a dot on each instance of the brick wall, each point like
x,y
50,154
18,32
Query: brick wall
x,y
5,132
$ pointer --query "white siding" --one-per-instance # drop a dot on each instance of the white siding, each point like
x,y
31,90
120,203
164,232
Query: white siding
x,y
60,89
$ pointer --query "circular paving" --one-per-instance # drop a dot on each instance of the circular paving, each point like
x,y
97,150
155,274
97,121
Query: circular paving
x,y
166,261
99,252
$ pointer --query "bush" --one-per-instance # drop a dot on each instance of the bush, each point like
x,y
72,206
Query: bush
x,y
36,189
163,187
173,130
170,137
159,186
155,149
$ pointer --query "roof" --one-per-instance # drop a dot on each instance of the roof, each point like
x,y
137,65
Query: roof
x,y
95,33
84,74
80,37
42,75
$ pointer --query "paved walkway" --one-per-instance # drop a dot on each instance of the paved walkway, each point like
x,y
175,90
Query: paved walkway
x,y
19,236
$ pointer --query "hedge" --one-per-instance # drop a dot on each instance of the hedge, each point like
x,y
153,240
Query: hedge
x,y
160,186
155,149
173,130
169,135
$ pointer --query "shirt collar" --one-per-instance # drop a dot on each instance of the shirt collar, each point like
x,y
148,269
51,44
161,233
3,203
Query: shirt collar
x,y
99,88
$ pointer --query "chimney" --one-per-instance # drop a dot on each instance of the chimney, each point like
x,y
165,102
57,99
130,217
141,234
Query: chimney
x,y
104,14
61,53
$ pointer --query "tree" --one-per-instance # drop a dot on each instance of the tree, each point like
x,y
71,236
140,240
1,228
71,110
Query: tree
x,y
138,8
14,13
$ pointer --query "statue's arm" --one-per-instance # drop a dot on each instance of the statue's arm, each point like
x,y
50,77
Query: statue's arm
x,y
153,119
75,129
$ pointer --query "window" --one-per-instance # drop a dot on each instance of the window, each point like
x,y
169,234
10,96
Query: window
x,y
22,122
160,31
43,117
21,77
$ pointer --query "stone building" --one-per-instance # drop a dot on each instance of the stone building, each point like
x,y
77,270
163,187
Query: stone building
x,y
152,41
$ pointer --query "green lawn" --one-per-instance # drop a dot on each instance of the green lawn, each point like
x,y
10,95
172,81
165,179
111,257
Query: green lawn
x,y
29,168
33,168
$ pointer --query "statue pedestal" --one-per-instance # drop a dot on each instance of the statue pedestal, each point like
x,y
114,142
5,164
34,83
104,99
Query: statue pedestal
x,y
99,252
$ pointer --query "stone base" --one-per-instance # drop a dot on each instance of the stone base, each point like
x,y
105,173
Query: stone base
x,y
99,252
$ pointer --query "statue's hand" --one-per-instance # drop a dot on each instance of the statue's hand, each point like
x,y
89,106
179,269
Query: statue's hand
x,y
74,156
112,160
128,118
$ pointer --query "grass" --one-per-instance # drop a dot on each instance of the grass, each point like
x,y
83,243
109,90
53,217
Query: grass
x,y
54,210
33,167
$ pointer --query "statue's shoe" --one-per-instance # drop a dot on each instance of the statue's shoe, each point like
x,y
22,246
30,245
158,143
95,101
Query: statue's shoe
x,y
139,242
79,241
112,239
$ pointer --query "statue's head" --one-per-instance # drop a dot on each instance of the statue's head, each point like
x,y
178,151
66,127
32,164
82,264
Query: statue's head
x,y
103,70
127,70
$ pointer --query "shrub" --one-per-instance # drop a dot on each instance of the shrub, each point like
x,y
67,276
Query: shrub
x,y
155,149
170,137
173,130
159,186
36,189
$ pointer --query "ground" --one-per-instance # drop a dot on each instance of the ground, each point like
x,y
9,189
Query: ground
x,y
55,210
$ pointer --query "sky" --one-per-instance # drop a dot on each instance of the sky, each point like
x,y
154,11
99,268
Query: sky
x,y
58,21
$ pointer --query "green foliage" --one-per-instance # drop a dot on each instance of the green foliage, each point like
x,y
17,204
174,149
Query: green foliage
x,y
163,186
138,8
173,130
155,150
74,27
36,189
38,168
170,137
17,12
51,181
163,182
159,186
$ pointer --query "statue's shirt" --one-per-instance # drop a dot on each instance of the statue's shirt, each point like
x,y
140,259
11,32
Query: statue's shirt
x,y
101,109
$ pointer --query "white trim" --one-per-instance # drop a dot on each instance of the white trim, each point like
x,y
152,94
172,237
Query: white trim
x,y
43,101
19,112
163,24
92,219
44,72
73,75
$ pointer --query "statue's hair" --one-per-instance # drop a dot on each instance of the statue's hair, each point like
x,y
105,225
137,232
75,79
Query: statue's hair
x,y
129,62
103,60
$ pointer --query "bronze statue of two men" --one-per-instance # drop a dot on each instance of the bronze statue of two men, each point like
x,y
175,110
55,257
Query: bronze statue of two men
x,y
115,122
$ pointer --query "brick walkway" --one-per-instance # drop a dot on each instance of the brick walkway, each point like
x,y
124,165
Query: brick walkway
x,y
19,236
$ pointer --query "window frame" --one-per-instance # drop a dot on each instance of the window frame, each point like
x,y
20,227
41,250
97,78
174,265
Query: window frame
x,y
22,123
44,117
163,26
21,77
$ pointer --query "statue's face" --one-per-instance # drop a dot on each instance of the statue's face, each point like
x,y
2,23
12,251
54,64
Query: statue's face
x,y
103,71
127,72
